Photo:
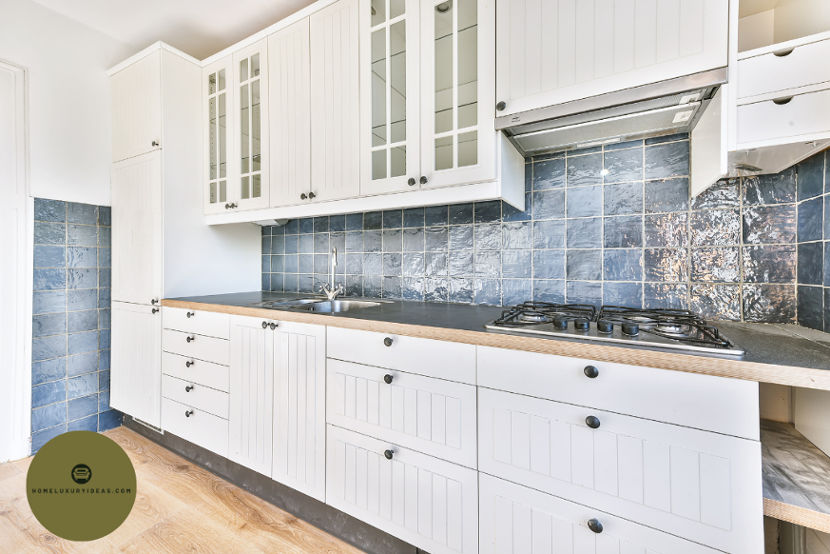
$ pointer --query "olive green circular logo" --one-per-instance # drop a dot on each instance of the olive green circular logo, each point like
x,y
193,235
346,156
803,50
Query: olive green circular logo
x,y
81,486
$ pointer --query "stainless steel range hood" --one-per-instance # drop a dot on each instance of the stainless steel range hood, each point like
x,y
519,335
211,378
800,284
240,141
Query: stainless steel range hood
x,y
668,106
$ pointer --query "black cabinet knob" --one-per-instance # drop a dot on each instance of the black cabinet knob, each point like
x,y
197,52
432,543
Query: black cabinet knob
x,y
387,341
272,325
154,301
188,413
501,106
191,338
595,525
387,379
311,195
227,206
190,314
264,324
388,454
424,180
592,422
155,310
154,143
188,388
411,181
303,196
189,363
591,372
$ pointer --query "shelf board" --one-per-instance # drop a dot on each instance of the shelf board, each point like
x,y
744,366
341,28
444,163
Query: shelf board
x,y
796,477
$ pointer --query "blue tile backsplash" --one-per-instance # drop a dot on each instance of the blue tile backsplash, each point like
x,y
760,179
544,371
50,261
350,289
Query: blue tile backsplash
x,y
611,224
71,320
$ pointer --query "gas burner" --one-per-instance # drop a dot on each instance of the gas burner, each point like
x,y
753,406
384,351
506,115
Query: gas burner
x,y
536,313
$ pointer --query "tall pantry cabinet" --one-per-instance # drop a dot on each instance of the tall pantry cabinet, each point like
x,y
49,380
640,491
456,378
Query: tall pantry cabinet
x,y
160,244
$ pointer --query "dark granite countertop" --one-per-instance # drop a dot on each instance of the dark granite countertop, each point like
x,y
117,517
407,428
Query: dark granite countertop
x,y
774,352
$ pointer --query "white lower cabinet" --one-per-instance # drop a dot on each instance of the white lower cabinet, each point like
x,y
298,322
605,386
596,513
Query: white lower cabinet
x,y
518,520
195,425
702,486
425,501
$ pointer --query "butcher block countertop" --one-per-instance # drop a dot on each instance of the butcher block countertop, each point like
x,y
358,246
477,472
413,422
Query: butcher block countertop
x,y
781,354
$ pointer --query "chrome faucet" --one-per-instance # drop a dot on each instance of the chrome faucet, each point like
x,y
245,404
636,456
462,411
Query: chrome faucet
x,y
329,289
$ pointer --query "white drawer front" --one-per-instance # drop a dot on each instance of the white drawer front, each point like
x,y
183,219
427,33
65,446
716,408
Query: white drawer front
x,y
446,360
427,502
803,66
432,416
196,371
209,349
199,427
518,520
196,395
728,406
210,324
702,486
803,117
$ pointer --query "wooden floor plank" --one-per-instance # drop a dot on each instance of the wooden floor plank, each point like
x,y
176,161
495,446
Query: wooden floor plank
x,y
179,506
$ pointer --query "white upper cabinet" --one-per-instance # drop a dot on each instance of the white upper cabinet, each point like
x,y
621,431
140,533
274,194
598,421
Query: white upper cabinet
x,y
335,101
251,137
136,108
390,109
556,51
218,91
289,67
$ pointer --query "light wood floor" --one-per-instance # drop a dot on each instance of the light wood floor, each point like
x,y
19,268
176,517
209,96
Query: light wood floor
x,y
179,507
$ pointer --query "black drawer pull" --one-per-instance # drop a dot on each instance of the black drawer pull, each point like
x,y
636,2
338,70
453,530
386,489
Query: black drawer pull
x,y
188,388
189,363
782,101
595,525
591,372
592,422
188,413
387,379
388,454
191,338
264,324
387,341
190,314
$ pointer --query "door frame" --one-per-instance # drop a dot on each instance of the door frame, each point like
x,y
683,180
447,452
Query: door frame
x,y
15,425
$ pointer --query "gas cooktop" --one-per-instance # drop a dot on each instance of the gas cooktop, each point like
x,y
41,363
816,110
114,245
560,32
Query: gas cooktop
x,y
659,328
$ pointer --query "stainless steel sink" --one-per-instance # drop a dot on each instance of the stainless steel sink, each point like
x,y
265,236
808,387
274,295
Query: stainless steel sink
x,y
288,303
337,306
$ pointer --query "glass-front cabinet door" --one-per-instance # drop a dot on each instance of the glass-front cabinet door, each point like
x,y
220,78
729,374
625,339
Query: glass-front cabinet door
x,y
251,135
457,93
217,91
390,130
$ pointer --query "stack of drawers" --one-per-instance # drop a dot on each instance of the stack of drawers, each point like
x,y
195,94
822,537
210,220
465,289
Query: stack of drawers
x,y
195,376
401,436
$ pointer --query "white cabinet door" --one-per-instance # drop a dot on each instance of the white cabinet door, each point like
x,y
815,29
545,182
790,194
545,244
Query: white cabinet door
x,y
390,111
335,101
250,187
219,94
135,374
289,66
136,108
136,229
556,51
517,520
251,393
425,501
702,486
299,445
458,48
433,416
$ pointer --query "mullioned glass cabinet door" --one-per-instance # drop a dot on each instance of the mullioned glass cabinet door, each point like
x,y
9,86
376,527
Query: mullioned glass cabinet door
x,y
217,91
250,65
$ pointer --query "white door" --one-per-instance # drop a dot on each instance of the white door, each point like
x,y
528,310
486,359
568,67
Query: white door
x,y
458,48
427,502
289,67
389,83
555,51
250,65
15,272
335,102
136,229
218,93
300,408
251,392
136,108
135,374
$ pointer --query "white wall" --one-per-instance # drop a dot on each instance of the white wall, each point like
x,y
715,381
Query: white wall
x,y
69,101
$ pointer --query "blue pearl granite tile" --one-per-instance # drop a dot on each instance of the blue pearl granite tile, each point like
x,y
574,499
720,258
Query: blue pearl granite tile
x,y
81,235
623,265
413,217
520,235
715,228
716,264
436,239
82,407
337,223
623,232
412,288
623,165
413,264
579,292
49,233
667,160
48,324
487,212
487,291
461,214
547,234
810,177
306,225
584,265
461,237
45,348
461,290
623,294
547,204
392,219
436,290
48,416
583,202
548,291
50,210
392,240
665,295
810,224
516,291
108,420
667,138
547,264
89,423
769,264
549,174
811,307
49,256
623,199
764,303
666,264
487,236
49,393
81,213
391,287
436,215
723,195
669,195
584,233
778,188
47,302
810,263
518,263
716,301
770,224
49,370
584,170
49,279
669,229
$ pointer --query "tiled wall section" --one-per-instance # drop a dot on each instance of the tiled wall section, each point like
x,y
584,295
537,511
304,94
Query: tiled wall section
x,y
607,225
814,242
71,320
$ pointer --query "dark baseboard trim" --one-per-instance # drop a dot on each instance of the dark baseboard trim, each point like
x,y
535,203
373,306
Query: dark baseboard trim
x,y
318,514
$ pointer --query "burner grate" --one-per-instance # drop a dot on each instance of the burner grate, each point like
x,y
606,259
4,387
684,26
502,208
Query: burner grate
x,y
535,313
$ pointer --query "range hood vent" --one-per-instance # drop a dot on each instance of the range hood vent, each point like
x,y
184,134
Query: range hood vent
x,y
665,107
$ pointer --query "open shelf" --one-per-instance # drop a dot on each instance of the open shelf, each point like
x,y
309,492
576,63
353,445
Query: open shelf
x,y
796,477
768,23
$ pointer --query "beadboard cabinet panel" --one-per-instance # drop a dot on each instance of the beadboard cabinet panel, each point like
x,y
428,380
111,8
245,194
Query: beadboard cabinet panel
x,y
555,51
432,416
701,486
425,501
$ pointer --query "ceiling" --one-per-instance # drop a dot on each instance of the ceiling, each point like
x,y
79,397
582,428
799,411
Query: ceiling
x,y
198,27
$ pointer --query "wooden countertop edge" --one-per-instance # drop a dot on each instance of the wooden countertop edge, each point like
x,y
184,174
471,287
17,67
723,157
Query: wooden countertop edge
x,y
797,515
720,367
